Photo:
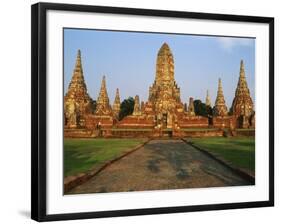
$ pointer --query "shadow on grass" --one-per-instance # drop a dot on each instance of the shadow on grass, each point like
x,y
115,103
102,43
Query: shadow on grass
x,y
76,162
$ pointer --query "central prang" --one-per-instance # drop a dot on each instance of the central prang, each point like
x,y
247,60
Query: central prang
x,y
164,94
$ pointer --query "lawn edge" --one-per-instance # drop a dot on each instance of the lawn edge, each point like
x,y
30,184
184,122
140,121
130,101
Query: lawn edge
x,y
71,182
224,162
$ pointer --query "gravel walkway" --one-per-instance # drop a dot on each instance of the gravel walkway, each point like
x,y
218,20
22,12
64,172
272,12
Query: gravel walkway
x,y
159,165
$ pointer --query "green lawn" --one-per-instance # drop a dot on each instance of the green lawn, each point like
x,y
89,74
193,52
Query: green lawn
x,y
81,155
240,151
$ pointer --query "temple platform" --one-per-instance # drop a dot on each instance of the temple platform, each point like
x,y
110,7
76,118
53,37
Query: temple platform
x,y
144,133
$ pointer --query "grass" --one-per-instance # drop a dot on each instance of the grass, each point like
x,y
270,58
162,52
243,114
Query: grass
x,y
81,155
240,151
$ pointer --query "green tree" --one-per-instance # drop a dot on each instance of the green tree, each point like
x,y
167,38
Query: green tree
x,y
126,107
202,109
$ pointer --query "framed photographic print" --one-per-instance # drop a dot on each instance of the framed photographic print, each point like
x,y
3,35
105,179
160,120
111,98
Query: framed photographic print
x,y
139,111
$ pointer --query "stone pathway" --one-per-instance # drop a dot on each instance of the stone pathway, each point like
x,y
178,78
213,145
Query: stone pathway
x,y
162,164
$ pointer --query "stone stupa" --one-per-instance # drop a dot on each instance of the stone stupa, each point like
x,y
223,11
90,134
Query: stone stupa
x,y
220,108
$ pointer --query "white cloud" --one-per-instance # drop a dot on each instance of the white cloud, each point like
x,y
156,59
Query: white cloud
x,y
228,43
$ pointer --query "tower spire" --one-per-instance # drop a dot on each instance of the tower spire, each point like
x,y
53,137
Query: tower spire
x,y
78,64
190,109
242,68
242,83
103,106
103,82
242,103
117,97
116,104
77,88
208,99
77,101
137,108
220,108
164,65
220,85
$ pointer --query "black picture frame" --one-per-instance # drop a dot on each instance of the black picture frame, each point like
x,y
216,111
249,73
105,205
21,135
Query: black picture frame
x,y
39,122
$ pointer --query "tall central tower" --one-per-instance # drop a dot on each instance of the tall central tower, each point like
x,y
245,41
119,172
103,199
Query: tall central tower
x,y
164,94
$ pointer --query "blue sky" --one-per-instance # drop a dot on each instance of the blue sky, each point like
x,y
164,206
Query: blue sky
x,y
128,60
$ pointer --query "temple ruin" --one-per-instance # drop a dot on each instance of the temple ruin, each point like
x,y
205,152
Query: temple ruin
x,y
163,113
